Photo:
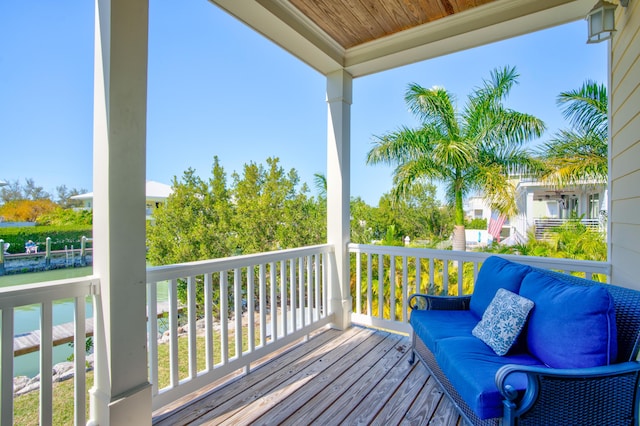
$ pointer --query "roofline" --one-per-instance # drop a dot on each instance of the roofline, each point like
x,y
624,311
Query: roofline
x,y
286,26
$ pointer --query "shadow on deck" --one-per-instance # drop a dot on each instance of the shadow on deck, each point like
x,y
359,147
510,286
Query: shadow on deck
x,y
359,376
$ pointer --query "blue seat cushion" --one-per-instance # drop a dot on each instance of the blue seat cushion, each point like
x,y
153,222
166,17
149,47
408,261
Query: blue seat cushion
x,y
570,326
471,367
495,273
431,326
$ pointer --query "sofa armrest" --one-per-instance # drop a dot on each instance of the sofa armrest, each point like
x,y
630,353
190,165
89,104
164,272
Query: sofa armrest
x,y
420,301
598,395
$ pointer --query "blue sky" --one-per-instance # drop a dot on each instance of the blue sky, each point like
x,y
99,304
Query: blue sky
x,y
217,88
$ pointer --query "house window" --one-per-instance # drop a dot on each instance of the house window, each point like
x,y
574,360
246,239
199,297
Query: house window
x,y
572,204
477,214
594,206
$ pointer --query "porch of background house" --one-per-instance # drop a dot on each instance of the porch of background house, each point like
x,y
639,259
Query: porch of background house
x,y
286,363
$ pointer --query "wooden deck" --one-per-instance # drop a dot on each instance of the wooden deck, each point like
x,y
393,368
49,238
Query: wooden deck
x,y
359,376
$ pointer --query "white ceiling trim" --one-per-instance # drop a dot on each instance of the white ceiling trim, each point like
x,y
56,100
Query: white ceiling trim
x,y
490,23
286,26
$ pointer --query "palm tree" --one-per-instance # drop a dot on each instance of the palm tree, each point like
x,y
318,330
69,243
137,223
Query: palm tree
x,y
579,154
470,150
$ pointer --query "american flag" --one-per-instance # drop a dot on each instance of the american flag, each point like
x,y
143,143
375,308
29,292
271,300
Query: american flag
x,y
495,225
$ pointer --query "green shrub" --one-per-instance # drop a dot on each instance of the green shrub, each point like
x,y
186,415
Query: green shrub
x,y
476,224
61,236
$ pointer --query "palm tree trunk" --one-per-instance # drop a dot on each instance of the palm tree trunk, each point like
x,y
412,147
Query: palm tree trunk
x,y
459,239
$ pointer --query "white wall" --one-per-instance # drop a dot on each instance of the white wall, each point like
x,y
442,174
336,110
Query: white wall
x,y
624,188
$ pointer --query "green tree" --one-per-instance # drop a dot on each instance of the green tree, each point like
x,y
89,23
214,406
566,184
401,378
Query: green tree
x,y
24,210
470,150
65,194
11,192
579,153
273,210
417,213
35,192
364,222
194,224
14,191
65,217
320,182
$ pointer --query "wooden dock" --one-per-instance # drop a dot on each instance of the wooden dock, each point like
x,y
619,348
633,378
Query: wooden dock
x,y
28,342
25,343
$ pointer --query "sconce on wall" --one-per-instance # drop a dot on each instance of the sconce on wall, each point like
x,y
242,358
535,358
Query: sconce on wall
x,y
601,21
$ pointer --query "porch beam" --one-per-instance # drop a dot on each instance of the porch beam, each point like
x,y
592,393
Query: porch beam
x,y
339,98
121,393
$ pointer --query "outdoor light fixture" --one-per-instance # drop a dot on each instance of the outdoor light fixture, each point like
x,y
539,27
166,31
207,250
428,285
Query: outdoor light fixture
x,y
601,22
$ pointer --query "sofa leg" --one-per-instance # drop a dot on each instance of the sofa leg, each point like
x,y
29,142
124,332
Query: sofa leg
x,y
412,358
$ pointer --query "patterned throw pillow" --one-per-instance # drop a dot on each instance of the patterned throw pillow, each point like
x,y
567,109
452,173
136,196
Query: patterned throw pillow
x,y
503,320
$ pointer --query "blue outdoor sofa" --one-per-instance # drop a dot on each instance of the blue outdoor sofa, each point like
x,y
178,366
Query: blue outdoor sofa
x,y
533,347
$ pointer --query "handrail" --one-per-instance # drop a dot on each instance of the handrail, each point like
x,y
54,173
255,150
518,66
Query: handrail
x,y
29,294
387,275
177,270
44,295
566,265
275,298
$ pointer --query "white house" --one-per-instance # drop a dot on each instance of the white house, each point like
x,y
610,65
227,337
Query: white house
x,y
544,206
156,194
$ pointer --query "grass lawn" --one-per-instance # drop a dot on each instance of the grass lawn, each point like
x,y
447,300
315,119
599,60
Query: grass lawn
x,y
26,406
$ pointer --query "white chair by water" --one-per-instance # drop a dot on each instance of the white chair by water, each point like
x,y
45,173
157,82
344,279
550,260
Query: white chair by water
x,y
31,247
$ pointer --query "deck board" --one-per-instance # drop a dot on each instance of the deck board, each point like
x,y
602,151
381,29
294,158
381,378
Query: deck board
x,y
359,376
342,390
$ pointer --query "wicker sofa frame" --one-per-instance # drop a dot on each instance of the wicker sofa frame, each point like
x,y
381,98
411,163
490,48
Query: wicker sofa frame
x,y
584,396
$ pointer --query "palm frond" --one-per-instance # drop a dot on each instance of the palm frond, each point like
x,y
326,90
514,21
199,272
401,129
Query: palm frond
x,y
498,189
400,146
434,107
587,107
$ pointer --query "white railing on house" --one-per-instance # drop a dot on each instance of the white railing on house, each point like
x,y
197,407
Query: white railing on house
x,y
233,312
43,296
544,226
388,275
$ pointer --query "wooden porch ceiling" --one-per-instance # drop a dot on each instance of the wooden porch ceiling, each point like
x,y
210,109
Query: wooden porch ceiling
x,y
351,23
368,36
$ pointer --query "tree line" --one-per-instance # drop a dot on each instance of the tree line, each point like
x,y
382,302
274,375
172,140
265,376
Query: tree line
x,y
265,207
29,202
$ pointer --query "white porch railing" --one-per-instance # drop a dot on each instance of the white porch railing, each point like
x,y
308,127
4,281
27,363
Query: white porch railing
x,y
382,278
44,295
246,307
543,226
272,298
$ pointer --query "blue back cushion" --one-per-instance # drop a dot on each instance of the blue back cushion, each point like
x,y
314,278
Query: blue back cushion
x,y
495,273
570,326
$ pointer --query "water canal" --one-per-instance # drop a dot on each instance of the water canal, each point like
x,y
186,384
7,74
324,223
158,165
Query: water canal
x,y
27,318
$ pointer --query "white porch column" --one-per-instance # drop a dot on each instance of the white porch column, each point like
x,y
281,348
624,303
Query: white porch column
x,y
339,94
121,394
530,212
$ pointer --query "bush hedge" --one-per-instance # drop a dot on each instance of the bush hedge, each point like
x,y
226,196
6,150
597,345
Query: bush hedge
x,y
61,236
